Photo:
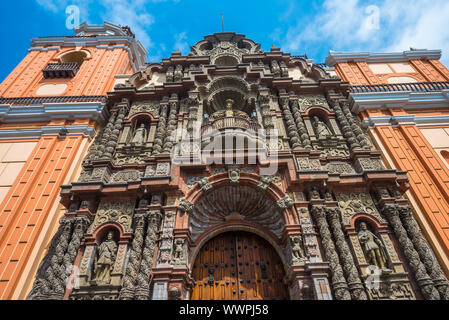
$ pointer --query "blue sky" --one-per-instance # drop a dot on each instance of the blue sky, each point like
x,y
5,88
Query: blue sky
x,y
298,27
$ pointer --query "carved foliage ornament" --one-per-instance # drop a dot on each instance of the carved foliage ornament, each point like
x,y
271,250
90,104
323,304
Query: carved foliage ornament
x,y
120,212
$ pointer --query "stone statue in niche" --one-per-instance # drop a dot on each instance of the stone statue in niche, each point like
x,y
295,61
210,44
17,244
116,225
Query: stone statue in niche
x,y
104,259
140,136
321,129
297,252
373,247
178,255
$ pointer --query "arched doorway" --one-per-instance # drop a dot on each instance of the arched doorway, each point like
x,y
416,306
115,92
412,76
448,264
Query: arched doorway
x,y
238,266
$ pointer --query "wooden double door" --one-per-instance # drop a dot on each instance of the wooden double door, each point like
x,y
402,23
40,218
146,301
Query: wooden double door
x,y
238,266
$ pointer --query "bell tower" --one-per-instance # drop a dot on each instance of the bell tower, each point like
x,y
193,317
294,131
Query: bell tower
x,y
51,106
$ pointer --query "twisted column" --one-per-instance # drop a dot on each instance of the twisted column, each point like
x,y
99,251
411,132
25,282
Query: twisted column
x,y
391,212
338,280
345,126
113,139
267,121
161,129
355,284
106,135
305,139
355,126
129,281
291,126
46,278
143,279
172,121
80,225
424,251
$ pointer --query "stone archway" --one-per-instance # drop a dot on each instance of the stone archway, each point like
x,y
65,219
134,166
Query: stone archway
x,y
238,265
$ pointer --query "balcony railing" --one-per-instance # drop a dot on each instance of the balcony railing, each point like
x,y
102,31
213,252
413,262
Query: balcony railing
x,y
60,70
396,87
229,123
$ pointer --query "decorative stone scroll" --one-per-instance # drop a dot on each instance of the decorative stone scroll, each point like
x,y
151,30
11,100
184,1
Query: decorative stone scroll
x,y
185,205
306,164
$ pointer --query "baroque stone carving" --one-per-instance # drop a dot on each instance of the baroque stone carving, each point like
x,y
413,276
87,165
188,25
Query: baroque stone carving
x,y
298,256
340,168
147,107
338,280
185,205
140,136
355,284
265,182
285,202
120,212
204,184
104,260
126,176
179,252
234,174
373,248
355,202
391,212
321,129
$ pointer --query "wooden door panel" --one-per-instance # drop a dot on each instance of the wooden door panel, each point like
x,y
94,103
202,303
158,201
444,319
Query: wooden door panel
x,y
245,266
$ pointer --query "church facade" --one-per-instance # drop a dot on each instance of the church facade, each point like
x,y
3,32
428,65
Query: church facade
x,y
236,173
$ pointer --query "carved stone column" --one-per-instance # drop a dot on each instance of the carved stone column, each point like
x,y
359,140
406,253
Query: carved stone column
x,y
169,138
129,281
338,280
305,139
267,121
47,275
424,251
355,284
143,279
290,122
355,126
345,126
391,212
111,144
106,135
161,129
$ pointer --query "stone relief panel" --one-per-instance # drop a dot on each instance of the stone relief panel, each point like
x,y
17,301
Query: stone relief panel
x,y
340,168
308,100
353,203
306,164
126,176
117,211
166,244
149,107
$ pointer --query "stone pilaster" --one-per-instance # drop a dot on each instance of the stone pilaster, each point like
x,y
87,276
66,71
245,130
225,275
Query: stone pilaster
x,y
357,131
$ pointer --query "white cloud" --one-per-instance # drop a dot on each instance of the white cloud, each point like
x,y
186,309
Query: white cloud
x,y
350,25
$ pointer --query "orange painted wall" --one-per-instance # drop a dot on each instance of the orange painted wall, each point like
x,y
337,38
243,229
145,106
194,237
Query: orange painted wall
x,y
359,73
429,177
95,77
28,203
